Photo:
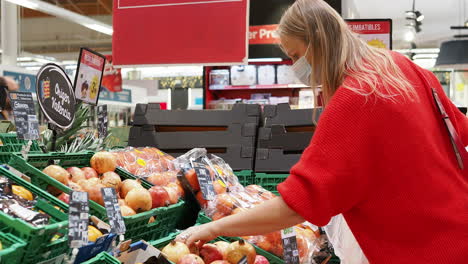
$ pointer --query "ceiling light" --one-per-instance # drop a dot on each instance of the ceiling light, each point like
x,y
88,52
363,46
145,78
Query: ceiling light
x,y
24,59
25,3
65,14
419,16
100,28
409,36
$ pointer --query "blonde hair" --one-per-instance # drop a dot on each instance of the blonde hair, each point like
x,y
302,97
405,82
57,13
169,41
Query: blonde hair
x,y
335,52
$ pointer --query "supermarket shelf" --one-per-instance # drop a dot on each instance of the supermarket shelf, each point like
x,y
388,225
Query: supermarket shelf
x,y
259,87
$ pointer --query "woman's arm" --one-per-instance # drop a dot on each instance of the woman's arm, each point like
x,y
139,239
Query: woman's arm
x,y
268,217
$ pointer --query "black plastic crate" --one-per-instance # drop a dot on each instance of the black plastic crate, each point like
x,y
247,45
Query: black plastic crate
x,y
282,114
151,114
232,134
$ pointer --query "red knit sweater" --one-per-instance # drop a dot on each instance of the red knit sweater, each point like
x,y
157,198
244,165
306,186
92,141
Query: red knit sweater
x,y
390,169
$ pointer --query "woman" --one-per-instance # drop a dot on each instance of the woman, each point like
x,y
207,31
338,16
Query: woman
x,y
380,156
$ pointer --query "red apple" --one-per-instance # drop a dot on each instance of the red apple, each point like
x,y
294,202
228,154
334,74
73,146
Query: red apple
x,y
173,197
190,259
159,196
89,172
210,253
64,198
259,259
76,174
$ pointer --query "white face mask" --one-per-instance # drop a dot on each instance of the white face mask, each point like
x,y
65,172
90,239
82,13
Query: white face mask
x,y
302,69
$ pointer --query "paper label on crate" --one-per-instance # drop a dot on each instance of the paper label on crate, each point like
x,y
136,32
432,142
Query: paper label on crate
x,y
204,179
78,218
291,253
111,203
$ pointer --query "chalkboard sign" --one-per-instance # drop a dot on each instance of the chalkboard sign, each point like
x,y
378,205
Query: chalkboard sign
x,y
27,126
102,121
78,219
204,179
113,211
55,95
291,253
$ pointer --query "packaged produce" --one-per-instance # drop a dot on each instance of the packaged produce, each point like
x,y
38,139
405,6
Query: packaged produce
x,y
19,202
230,198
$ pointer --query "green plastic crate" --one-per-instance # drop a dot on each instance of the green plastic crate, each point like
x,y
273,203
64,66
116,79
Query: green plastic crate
x,y
39,245
11,144
103,258
270,181
246,177
149,225
13,249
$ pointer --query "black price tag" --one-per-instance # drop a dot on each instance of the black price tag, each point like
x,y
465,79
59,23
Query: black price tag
x,y
102,121
205,180
78,219
27,126
113,211
291,253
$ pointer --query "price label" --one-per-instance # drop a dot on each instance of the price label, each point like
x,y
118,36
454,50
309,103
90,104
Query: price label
x,y
114,214
291,253
27,126
204,179
103,122
78,219
243,260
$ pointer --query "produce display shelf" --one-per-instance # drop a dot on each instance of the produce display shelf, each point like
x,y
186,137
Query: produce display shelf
x,y
103,258
149,225
12,249
10,144
41,243
203,219
273,259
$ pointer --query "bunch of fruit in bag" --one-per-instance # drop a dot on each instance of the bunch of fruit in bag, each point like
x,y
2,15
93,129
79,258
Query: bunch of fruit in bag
x,y
230,198
133,197
220,252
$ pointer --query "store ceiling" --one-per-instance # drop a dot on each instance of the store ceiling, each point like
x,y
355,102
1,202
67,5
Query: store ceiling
x,y
43,34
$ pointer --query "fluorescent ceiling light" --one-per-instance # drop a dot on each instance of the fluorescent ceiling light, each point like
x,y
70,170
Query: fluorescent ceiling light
x,y
65,14
266,60
24,59
29,64
69,62
100,28
25,3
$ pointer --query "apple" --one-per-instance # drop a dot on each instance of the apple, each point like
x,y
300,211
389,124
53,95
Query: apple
x,y
259,259
89,172
64,198
210,253
173,197
76,174
159,196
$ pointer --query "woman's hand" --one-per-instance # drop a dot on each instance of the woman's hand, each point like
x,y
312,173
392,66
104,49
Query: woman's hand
x,y
201,234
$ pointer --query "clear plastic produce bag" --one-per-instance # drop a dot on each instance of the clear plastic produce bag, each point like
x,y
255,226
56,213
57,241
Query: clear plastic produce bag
x,y
344,243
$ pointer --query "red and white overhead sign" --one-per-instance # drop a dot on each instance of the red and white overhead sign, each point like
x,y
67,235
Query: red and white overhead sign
x,y
265,34
376,32
149,32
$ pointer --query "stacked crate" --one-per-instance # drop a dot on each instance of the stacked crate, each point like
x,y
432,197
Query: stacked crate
x,y
230,135
285,134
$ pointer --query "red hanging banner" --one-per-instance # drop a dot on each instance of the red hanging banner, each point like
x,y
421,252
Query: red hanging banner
x,y
149,32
